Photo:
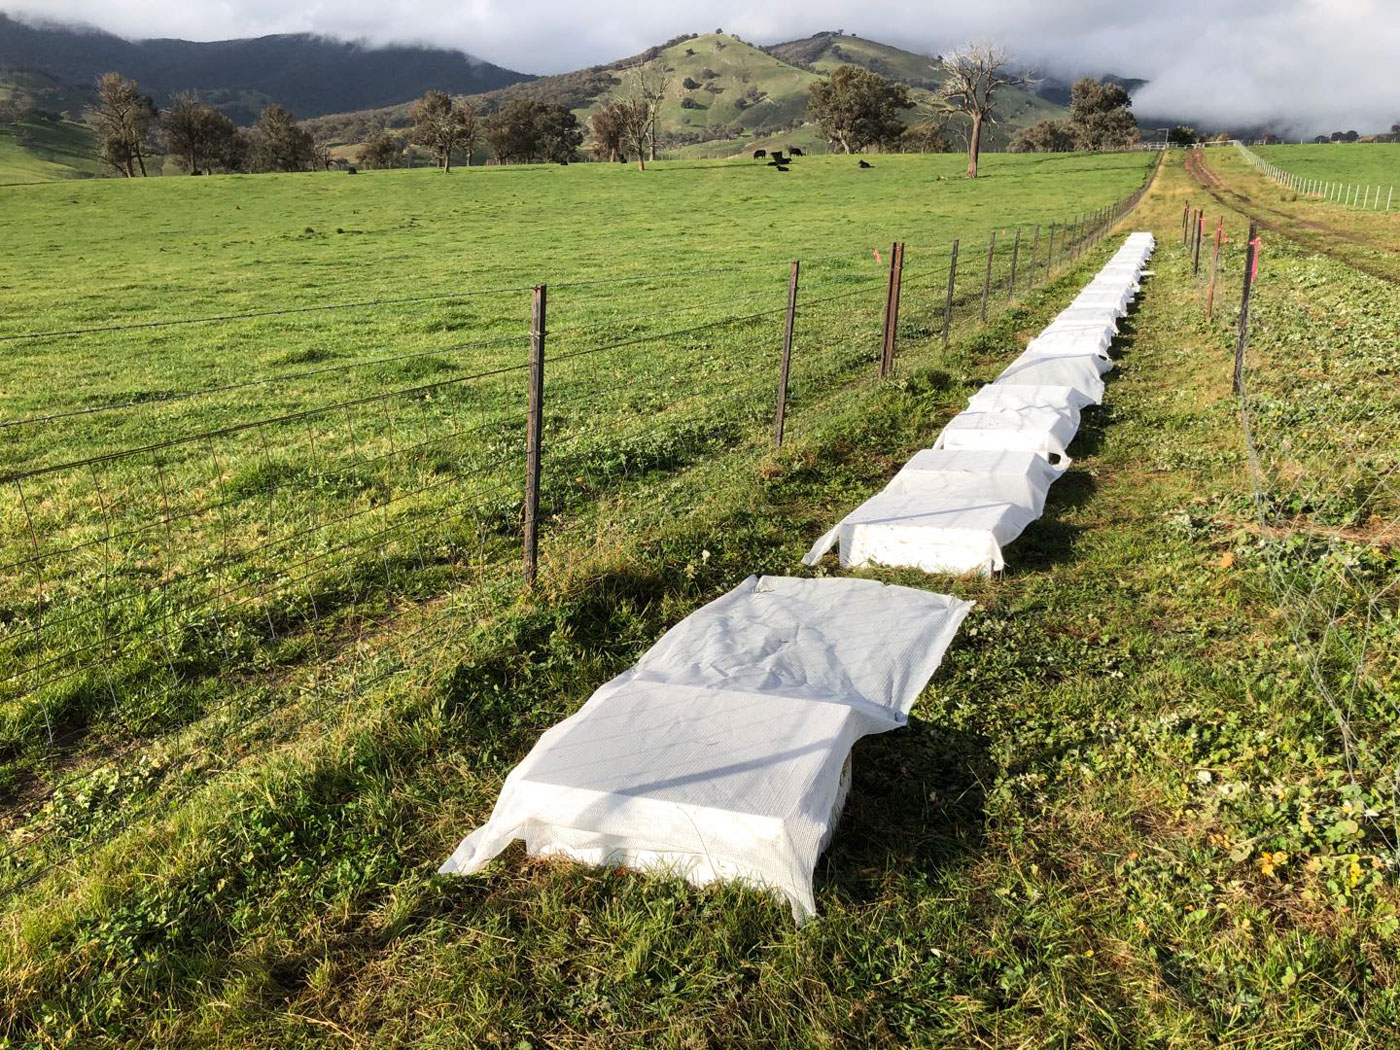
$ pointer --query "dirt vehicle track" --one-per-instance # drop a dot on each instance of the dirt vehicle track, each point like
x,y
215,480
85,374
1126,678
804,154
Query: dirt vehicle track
x,y
1342,245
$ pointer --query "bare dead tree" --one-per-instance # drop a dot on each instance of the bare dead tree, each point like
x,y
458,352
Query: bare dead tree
x,y
652,87
973,75
634,118
636,112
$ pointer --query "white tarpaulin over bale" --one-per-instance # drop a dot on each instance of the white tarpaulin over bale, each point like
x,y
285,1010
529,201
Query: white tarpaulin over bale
x,y
1061,338
945,511
1071,316
1082,372
720,755
1013,417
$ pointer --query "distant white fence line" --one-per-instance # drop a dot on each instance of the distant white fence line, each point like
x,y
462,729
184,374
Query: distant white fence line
x,y
1368,197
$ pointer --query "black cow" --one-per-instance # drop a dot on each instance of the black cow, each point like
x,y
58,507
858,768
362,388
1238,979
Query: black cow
x,y
777,157
795,152
866,164
781,167
351,170
759,154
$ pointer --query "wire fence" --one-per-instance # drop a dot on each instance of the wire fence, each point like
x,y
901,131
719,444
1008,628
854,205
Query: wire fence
x,y
188,575
1368,198
1314,375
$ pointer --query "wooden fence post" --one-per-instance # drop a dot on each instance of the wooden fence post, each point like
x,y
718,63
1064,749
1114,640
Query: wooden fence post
x,y
1050,251
780,417
534,427
892,307
987,277
1196,247
952,279
1249,255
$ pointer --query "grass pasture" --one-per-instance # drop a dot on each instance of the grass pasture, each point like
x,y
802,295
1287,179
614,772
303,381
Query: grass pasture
x,y
1357,163
191,496
1120,816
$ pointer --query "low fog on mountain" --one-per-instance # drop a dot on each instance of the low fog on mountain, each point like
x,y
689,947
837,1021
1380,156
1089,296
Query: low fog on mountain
x,y
1298,65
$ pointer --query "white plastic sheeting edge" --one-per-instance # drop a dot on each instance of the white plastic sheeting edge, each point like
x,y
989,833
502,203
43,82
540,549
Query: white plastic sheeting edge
x,y
947,511
721,754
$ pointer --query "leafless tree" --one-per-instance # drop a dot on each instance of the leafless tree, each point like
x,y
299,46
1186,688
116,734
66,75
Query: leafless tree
x,y
973,75
634,118
636,112
123,119
652,87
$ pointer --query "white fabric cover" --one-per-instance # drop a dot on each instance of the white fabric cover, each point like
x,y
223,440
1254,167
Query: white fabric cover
x,y
720,754
1071,316
1071,342
1113,298
1014,417
1030,428
947,511
1082,372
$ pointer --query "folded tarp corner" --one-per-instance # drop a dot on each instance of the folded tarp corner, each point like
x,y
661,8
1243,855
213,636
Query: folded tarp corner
x,y
721,754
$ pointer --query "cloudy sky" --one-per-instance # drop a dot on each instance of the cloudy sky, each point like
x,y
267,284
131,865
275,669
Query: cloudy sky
x,y
1324,63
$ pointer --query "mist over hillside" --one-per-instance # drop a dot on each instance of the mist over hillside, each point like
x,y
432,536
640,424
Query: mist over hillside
x,y
311,75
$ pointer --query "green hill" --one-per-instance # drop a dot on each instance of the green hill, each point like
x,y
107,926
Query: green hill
x,y
42,151
726,95
825,52
41,138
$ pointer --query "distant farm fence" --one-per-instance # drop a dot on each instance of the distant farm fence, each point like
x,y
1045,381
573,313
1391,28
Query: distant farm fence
x,y
1323,454
1368,198
204,579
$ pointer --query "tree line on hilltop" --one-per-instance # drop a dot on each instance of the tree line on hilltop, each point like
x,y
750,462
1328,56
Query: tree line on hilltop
x,y
858,109
855,109
131,130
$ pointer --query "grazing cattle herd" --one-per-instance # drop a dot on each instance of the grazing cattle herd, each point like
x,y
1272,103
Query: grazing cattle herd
x,y
777,160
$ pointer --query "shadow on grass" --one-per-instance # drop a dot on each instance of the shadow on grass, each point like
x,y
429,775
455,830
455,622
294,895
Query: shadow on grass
x,y
916,805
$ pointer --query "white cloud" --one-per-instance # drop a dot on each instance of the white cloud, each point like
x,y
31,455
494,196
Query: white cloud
x,y
1321,64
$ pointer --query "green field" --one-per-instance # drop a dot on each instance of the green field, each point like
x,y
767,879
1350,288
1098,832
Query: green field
x,y
44,152
302,661
1357,163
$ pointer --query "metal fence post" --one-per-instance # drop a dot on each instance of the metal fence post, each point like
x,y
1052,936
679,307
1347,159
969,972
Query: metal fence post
x,y
987,277
534,426
952,279
892,307
1215,267
780,416
1015,255
1035,256
1249,255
